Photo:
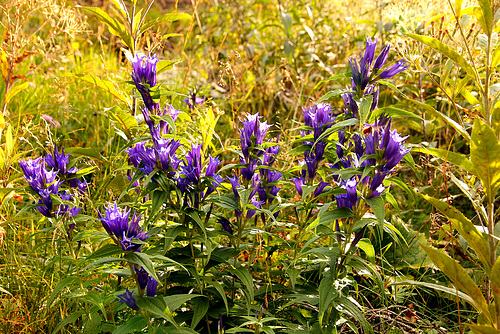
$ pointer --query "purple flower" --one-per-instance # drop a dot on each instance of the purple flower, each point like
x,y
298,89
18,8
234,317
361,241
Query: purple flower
x,y
42,182
252,135
59,162
116,222
210,172
225,225
249,171
193,100
142,276
382,58
350,199
320,188
268,191
191,172
257,204
299,182
394,69
128,299
64,208
361,71
235,183
144,77
318,117
311,164
151,287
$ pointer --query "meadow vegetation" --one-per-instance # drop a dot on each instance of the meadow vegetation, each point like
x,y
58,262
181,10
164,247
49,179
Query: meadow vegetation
x,y
249,166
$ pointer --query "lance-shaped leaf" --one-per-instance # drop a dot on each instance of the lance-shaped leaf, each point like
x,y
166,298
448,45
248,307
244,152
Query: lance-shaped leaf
x,y
447,51
476,240
487,16
495,281
104,84
457,159
459,276
115,27
460,129
479,329
485,156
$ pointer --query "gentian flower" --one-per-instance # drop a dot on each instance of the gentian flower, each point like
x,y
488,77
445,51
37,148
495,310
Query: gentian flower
x,y
235,183
225,225
251,136
116,222
258,204
142,276
151,287
144,77
193,100
128,299
59,162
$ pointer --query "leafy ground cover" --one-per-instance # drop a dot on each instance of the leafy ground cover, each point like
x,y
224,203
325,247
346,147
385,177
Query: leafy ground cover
x,y
262,167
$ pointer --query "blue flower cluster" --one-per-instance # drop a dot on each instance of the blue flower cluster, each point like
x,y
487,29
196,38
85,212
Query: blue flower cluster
x,y
116,221
124,229
319,118
46,175
256,154
189,181
365,76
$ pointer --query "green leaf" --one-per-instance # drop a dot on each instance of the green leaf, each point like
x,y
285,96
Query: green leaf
x,y
200,307
88,152
486,20
367,247
479,329
457,159
459,276
355,312
123,118
393,112
144,261
447,51
485,156
445,118
135,324
170,17
378,208
286,19
14,90
330,216
105,84
437,287
69,319
330,94
364,109
165,65
477,240
458,7
327,292
157,306
64,283
244,275
102,261
176,301
105,251
220,290
495,280
115,27
157,200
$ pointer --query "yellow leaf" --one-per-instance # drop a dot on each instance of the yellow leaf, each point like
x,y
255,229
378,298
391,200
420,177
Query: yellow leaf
x,y
4,64
14,90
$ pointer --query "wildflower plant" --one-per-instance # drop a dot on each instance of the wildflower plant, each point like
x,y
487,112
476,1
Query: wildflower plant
x,y
342,177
